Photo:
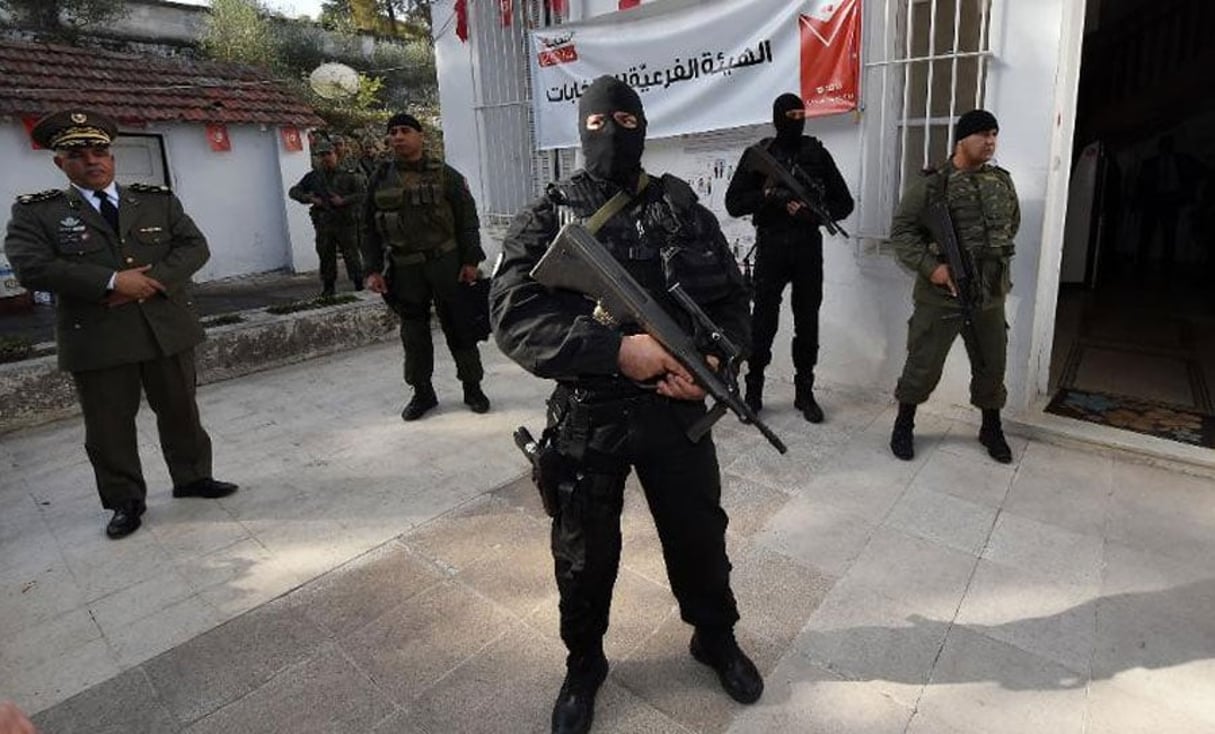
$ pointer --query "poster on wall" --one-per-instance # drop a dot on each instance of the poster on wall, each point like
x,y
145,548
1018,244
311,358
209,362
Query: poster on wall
x,y
703,67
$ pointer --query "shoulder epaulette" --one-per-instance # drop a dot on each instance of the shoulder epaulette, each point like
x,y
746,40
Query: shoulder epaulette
x,y
40,196
144,188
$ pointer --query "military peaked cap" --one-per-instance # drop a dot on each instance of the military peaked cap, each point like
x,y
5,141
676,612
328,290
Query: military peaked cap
x,y
74,129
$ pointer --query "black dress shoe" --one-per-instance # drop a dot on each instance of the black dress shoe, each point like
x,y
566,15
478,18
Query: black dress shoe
x,y
574,710
125,520
738,675
207,488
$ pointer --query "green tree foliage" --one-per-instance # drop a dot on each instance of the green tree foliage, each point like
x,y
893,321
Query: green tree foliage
x,y
61,18
401,18
241,31
394,74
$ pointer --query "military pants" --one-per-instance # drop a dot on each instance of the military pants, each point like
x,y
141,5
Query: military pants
x,y
931,332
783,258
109,399
416,287
602,440
330,240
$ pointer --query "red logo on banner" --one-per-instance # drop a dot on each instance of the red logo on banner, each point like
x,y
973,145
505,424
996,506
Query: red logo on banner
x,y
562,55
558,50
506,7
291,139
626,4
217,136
831,59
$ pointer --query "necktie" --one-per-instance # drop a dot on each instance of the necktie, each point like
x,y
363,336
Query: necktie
x,y
108,210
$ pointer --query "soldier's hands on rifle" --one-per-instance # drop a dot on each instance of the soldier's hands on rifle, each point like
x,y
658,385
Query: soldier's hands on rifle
x,y
468,274
643,358
336,200
941,276
375,283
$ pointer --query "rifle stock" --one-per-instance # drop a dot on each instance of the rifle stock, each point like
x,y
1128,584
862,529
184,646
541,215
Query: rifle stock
x,y
761,161
576,261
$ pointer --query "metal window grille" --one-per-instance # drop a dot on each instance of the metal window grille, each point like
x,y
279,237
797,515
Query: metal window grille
x,y
927,64
512,170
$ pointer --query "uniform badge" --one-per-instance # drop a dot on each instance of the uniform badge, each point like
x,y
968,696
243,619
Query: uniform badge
x,y
69,223
79,118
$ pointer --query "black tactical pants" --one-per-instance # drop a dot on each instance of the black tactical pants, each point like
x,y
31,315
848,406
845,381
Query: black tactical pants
x,y
603,439
930,334
784,257
415,287
109,399
329,240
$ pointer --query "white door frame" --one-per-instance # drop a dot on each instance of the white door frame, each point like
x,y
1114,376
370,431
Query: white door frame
x,y
1067,82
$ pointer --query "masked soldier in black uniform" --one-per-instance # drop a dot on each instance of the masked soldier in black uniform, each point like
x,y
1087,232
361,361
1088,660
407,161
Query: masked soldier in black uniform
x,y
423,241
622,401
789,248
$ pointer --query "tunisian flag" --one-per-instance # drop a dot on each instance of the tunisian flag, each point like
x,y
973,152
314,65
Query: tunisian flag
x,y
217,136
831,56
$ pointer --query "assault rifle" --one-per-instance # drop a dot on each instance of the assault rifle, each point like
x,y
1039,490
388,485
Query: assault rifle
x,y
576,261
798,183
939,223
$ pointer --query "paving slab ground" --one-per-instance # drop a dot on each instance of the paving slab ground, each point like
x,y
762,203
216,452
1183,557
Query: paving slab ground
x,y
376,576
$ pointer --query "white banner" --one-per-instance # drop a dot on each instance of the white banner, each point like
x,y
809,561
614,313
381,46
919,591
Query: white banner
x,y
705,67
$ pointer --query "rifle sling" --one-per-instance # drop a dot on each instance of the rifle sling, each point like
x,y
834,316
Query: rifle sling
x,y
614,205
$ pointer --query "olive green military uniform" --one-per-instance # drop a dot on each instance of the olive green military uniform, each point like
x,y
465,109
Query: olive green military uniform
x,y
59,242
337,226
985,213
422,229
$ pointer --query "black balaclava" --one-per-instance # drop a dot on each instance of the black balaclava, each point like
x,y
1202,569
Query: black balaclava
x,y
612,152
788,132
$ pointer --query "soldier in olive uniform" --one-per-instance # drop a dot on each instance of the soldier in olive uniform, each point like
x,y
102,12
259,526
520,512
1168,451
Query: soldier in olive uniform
x,y
983,207
622,401
423,242
336,195
119,259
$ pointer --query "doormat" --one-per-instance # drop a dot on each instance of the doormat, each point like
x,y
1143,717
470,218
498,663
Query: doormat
x,y
1135,414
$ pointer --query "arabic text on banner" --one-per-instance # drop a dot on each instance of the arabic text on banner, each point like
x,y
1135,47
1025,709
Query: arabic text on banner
x,y
706,67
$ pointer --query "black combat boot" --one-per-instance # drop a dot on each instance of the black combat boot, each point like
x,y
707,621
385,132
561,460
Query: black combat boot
x,y
804,400
991,435
901,441
423,399
755,391
327,290
574,709
720,651
474,398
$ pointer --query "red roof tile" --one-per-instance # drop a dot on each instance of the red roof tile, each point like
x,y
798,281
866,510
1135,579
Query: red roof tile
x,y
39,78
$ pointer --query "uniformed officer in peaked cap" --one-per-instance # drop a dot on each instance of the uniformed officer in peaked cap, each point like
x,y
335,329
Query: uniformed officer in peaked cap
x,y
119,260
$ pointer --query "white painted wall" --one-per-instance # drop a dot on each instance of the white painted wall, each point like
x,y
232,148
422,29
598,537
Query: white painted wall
x,y
238,198
867,298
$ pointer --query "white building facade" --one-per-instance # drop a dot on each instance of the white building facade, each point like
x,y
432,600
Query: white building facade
x,y
924,63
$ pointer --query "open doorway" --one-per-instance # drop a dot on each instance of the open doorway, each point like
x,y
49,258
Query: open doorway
x,y
1134,339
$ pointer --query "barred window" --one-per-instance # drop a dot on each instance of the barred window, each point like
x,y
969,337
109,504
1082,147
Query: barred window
x,y
513,172
926,65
